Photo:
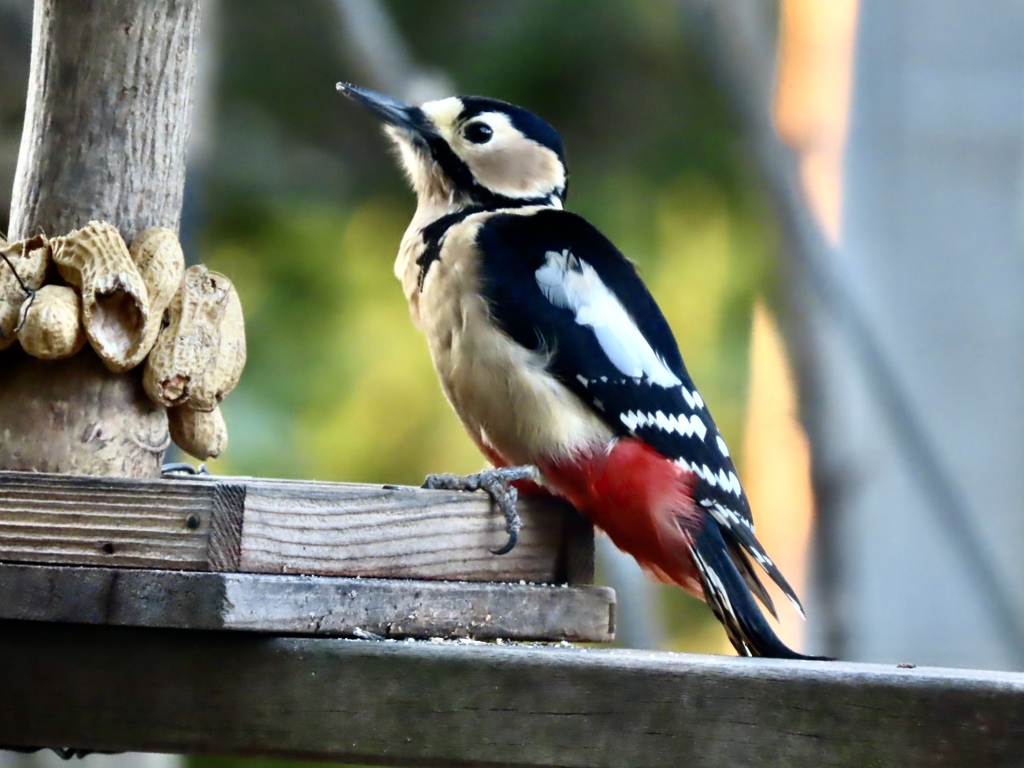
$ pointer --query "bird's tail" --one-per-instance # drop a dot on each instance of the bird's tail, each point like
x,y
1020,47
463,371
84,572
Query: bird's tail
x,y
728,591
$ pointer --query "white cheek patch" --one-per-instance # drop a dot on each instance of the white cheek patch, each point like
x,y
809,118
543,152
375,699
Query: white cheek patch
x,y
571,283
512,164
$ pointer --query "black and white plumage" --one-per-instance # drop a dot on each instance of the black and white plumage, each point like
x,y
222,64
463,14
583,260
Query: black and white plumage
x,y
556,285
553,353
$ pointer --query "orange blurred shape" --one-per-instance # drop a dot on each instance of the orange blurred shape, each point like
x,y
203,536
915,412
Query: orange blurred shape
x,y
811,111
777,467
813,96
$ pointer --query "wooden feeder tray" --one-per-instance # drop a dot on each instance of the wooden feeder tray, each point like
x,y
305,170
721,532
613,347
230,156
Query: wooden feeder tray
x,y
310,558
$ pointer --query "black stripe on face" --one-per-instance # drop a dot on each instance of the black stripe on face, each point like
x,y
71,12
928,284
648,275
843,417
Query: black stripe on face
x,y
451,164
453,167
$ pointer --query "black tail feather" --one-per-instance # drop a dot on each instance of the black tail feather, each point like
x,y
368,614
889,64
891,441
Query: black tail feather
x,y
738,531
742,562
729,596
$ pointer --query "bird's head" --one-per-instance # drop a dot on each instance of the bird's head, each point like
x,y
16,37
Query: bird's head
x,y
470,150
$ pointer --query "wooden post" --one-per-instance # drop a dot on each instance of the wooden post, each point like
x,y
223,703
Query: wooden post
x,y
108,112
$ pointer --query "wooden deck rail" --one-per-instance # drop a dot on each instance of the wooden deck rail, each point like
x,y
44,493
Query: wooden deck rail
x,y
451,704
109,589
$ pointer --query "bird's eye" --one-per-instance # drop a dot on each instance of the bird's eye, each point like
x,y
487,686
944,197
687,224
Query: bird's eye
x,y
478,133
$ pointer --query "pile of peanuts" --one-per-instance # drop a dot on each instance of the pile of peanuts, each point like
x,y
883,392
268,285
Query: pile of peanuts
x,y
135,306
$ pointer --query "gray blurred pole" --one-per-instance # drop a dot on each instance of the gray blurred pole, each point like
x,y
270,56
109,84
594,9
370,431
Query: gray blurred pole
x,y
48,759
640,617
932,248
907,341
15,44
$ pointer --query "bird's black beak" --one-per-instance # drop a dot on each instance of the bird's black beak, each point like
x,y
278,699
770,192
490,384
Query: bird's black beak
x,y
392,111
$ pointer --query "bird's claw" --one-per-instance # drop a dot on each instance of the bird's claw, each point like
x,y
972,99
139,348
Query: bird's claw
x,y
497,484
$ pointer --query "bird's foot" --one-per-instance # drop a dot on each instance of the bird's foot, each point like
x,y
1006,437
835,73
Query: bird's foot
x,y
498,485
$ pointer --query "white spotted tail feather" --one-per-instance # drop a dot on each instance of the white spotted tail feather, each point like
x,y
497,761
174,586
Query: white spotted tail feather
x,y
570,282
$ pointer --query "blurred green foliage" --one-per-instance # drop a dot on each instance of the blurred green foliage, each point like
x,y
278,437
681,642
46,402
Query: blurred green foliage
x,y
304,208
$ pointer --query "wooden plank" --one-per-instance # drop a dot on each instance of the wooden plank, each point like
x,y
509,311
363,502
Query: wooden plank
x,y
105,521
448,704
398,532
308,605
283,526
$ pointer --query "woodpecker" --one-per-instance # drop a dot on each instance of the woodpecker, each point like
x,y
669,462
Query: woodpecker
x,y
557,360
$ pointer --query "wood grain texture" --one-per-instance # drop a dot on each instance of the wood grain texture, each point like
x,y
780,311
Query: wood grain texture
x,y
226,526
107,116
306,605
445,704
106,125
283,526
367,530
104,521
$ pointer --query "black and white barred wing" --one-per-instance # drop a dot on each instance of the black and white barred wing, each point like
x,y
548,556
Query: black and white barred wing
x,y
556,285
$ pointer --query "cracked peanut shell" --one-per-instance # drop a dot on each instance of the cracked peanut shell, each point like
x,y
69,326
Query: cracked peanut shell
x,y
115,302
199,356
157,254
30,258
49,324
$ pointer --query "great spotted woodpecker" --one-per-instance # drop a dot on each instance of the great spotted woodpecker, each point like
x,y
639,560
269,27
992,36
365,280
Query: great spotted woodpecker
x,y
557,359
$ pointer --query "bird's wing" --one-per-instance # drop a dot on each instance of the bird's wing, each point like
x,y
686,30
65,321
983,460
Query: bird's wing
x,y
556,285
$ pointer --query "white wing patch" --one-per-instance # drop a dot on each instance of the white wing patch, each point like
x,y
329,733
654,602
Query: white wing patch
x,y
571,283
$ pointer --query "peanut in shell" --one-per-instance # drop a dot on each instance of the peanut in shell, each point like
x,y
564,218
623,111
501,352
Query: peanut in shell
x,y
224,371
199,356
49,323
157,254
30,258
202,434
